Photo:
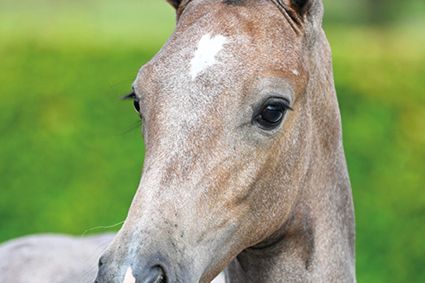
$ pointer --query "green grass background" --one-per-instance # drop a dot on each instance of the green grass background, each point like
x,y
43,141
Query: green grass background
x,y
71,151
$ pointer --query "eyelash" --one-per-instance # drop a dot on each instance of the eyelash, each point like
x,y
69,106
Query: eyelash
x,y
136,101
131,95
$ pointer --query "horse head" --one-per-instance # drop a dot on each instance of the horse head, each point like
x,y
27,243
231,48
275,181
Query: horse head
x,y
244,164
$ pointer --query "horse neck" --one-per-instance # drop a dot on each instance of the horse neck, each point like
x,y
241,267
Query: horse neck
x,y
316,243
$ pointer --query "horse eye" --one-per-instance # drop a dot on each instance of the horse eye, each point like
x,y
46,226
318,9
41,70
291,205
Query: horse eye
x,y
136,105
136,101
272,112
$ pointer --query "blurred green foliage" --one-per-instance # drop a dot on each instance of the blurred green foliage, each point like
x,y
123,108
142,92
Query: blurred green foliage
x,y
71,151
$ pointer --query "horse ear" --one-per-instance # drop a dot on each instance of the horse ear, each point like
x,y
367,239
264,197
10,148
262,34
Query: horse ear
x,y
175,3
301,6
311,10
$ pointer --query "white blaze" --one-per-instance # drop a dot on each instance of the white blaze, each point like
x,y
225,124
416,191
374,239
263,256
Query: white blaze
x,y
205,55
129,277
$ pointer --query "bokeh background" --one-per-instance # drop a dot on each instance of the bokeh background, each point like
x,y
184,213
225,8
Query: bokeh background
x,y
71,152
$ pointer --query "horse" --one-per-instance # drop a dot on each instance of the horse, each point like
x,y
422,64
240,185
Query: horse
x,y
244,167
51,258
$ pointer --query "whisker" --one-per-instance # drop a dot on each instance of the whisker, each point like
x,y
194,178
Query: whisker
x,y
101,228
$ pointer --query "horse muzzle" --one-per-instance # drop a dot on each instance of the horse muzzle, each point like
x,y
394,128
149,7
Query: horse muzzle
x,y
148,273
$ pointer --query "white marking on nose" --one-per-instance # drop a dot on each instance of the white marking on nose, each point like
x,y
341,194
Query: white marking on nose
x,y
129,278
205,54
219,278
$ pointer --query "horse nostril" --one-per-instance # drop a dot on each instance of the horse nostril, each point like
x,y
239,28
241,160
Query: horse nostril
x,y
158,275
